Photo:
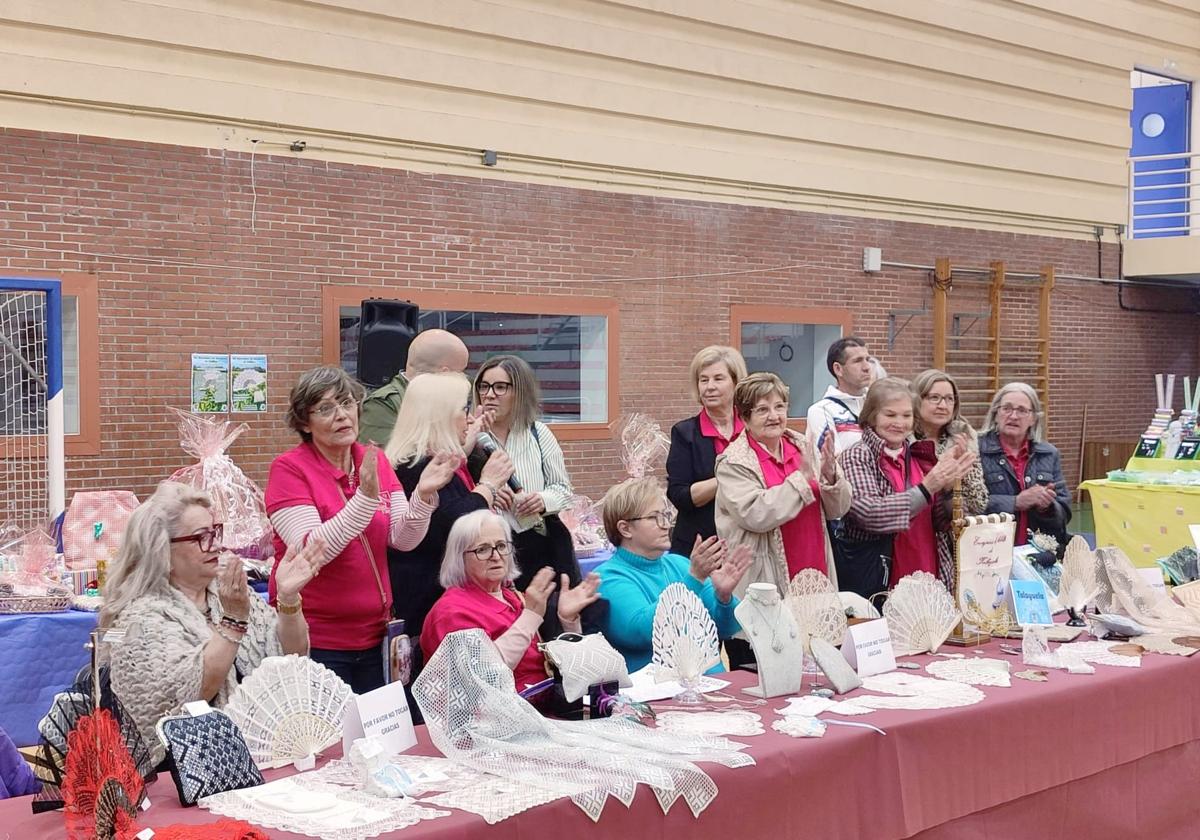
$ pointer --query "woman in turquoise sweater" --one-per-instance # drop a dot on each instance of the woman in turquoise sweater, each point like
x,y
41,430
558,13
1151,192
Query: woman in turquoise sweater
x,y
638,518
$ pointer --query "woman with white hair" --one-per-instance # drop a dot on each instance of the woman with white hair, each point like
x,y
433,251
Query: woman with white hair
x,y
1023,472
433,424
193,626
477,573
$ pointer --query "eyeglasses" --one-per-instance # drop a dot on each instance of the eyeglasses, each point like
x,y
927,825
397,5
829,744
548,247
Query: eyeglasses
x,y
497,388
327,409
767,410
486,552
1016,410
663,519
206,539
939,399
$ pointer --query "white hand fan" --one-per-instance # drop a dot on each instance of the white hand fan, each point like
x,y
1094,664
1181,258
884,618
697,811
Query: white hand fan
x,y
685,640
920,614
288,709
817,607
1080,582
1188,594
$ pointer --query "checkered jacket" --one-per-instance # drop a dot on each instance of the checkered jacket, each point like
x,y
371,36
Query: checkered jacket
x,y
875,506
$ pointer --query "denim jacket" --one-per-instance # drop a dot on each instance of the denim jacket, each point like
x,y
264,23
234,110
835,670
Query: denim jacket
x,y
1044,467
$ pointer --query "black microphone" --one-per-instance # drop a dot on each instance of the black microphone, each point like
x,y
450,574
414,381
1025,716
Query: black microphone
x,y
489,445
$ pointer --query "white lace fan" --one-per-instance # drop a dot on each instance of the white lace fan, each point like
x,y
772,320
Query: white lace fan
x,y
817,607
1080,582
288,709
920,614
684,638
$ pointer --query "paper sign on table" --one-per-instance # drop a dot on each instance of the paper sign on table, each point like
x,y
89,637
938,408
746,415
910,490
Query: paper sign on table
x,y
1152,576
382,713
1029,602
868,648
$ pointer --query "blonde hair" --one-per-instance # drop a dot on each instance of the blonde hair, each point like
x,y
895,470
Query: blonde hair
x,y
143,562
626,500
757,386
425,423
922,384
711,355
463,533
881,392
1037,432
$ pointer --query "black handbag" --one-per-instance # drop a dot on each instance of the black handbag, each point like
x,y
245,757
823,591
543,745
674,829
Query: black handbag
x,y
208,755
863,567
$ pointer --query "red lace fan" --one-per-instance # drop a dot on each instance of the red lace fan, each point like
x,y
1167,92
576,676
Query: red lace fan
x,y
101,788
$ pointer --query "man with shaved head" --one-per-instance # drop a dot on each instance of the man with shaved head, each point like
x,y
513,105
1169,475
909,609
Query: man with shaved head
x,y
432,351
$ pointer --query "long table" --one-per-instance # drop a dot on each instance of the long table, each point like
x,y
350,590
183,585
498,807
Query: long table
x,y
1146,521
40,654
1111,755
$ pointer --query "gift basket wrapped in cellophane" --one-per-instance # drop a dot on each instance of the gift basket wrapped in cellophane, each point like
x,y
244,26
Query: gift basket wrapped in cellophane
x,y
582,520
237,501
32,583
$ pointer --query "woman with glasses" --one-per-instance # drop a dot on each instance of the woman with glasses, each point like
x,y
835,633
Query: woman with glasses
x,y
938,419
432,425
638,519
192,625
477,573
773,492
1023,472
332,487
506,389
899,517
697,441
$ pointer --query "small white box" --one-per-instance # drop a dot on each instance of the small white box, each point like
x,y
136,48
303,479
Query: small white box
x,y
872,259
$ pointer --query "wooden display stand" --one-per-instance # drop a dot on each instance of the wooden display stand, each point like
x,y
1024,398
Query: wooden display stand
x,y
961,637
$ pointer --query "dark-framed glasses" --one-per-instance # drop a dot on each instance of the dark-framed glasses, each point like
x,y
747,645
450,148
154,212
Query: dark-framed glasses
x,y
661,518
939,399
327,409
206,540
486,552
497,388
1016,410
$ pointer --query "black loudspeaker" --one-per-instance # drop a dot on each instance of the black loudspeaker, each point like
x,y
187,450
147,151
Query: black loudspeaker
x,y
385,329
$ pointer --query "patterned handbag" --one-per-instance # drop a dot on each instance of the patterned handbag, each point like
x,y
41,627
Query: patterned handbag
x,y
207,754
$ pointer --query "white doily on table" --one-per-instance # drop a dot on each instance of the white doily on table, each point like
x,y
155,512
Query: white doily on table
x,y
800,726
318,809
908,691
495,799
456,776
475,717
972,671
733,722
1161,643
807,705
1098,653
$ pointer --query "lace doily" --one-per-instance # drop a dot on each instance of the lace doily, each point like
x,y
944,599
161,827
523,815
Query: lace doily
x,y
807,705
908,691
475,717
1123,591
495,799
972,671
800,726
733,722
1161,643
454,776
1097,652
318,809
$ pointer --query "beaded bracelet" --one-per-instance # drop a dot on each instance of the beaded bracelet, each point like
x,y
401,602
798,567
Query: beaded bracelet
x,y
227,637
237,625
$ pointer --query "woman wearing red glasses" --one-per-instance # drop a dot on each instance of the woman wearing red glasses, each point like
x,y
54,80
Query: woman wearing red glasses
x,y
193,627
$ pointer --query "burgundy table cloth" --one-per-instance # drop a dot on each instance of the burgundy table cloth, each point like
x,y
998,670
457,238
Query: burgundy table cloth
x,y
1115,755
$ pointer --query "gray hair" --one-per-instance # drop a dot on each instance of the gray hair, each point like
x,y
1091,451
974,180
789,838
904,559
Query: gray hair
x,y
1037,432
313,385
462,537
143,562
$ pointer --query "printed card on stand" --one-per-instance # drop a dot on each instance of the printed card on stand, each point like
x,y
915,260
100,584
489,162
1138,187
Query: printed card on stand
x,y
382,713
1029,601
868,648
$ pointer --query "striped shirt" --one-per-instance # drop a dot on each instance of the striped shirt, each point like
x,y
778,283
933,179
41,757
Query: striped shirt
x,y
538,464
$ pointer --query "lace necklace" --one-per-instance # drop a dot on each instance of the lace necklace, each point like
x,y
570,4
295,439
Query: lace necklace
x,y
776,642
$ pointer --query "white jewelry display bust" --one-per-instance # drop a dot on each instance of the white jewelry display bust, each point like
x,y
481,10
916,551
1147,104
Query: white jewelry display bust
x,y
771,629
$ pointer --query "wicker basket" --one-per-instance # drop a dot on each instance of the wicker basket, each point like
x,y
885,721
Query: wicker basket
x,y
14,604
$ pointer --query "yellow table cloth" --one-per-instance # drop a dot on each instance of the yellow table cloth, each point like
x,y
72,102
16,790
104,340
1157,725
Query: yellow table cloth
x,y
1146,521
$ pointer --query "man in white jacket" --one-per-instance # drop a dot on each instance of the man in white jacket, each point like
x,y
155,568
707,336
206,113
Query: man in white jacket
x,y
850,363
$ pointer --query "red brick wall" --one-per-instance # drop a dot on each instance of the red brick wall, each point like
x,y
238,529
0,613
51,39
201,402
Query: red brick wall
x,y
116,208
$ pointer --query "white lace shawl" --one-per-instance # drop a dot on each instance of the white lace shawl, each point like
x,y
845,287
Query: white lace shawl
x,y
159,665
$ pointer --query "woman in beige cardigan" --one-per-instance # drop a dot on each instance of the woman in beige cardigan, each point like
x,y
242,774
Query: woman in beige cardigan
x,y
773,493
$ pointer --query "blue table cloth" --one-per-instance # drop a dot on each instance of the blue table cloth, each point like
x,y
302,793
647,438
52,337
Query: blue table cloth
x,y
40,654
589,564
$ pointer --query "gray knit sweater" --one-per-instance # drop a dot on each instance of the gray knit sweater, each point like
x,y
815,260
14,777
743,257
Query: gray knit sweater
x,y
159,665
